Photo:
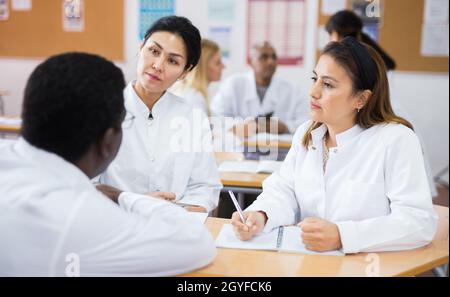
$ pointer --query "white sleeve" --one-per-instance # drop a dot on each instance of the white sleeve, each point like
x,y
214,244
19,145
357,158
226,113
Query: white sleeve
x,y
412,222
151,237
278,198
222,102
204,184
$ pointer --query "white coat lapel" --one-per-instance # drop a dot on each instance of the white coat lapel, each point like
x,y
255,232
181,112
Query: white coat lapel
x,y
251,99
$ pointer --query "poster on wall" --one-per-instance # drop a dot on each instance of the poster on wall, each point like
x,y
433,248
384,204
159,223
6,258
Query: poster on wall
x,y
221,10
151,10
434,41
73,15
283,24
4,10
436,11
222,36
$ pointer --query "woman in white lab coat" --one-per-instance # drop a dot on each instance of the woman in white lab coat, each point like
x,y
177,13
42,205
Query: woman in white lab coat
x,y
194,88
354,177
347,23
167,152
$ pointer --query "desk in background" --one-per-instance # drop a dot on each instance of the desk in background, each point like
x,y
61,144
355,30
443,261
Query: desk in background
x,y
241,183
240,263
2,102
9,125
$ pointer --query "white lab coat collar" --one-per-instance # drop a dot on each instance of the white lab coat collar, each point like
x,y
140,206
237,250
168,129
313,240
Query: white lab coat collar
x,y
50,161
250,92
135,104
341,139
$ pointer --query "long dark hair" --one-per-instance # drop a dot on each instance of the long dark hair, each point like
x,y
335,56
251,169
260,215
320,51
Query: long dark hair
x,y
358,59
347,23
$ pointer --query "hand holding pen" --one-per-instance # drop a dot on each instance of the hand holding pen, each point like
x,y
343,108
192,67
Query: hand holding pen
x,y
246,225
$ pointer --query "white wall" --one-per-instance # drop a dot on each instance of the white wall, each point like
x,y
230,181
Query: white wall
x,y
425,97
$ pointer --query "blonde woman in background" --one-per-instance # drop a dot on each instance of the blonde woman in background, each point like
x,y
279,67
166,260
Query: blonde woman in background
x,y
194,88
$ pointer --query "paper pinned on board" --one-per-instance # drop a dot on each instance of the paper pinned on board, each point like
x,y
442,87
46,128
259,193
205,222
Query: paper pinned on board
x,y
330,7
436,11
21,5
435,40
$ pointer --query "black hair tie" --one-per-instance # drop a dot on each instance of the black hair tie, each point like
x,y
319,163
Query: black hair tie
x,y
366,65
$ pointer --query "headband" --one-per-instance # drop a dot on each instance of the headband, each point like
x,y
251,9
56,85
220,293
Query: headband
x,y
365,63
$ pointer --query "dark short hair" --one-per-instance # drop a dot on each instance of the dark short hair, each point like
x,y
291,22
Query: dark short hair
x,y
186,30
70,101
347,23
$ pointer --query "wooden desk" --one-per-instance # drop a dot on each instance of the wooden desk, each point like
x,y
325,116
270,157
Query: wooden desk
x,y
271,144
239,263
239,179
9,128
2,103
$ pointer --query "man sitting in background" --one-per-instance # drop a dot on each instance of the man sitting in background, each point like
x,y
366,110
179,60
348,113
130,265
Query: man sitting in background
x,y
267,102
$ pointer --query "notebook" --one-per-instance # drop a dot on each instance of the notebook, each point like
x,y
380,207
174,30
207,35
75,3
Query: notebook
x,y
281,239
265,166
200,216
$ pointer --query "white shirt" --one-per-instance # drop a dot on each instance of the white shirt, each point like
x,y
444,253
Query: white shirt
x,y
193,97
52,219
401,111
171,153
375,188
237,97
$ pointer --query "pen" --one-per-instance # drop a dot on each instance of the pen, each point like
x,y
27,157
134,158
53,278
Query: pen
x,y
236,204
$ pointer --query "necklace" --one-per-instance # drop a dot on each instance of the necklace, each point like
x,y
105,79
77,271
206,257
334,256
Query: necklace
x,y
325,153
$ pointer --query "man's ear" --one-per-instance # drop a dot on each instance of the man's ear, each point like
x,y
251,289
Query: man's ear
x,y
363,98
106,143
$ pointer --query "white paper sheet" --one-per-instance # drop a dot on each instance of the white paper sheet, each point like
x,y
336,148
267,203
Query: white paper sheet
x,y
330,7
436,11
291,241
435,40
22,5
200,216
4,10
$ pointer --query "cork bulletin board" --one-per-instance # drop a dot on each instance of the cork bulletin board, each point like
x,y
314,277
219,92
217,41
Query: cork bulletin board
x,y
39,33
400,35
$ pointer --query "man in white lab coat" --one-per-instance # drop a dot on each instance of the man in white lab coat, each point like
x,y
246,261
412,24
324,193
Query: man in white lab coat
x,y
53,221
260,94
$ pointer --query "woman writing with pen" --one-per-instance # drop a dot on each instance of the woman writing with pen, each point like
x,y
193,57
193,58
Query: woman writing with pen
x,y
355,173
